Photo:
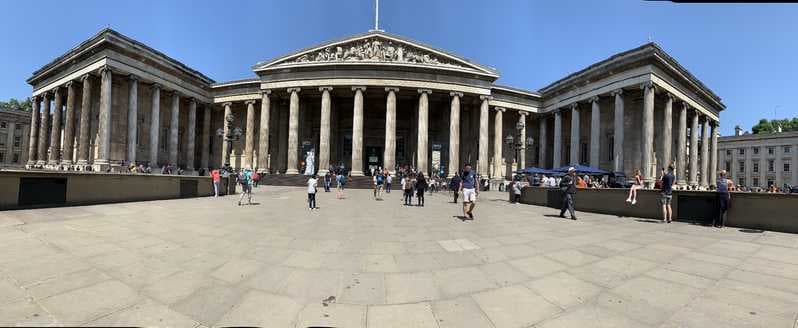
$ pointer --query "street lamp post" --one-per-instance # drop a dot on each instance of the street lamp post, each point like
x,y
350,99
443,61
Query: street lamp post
x,y
516,142
228,135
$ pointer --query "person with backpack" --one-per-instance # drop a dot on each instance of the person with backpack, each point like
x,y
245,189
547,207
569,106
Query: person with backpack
x,y
245,180
421,185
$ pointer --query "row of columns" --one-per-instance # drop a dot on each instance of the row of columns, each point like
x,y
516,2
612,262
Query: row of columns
x,y
708,132
60,156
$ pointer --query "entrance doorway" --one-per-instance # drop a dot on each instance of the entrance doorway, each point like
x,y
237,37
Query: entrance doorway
x,y
373,158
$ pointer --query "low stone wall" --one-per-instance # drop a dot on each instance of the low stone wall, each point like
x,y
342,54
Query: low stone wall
x,y
775,212
31,189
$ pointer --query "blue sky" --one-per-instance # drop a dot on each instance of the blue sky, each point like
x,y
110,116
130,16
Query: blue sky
x,y
747,54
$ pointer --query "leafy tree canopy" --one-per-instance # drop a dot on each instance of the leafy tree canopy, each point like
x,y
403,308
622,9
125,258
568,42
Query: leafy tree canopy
x,y
14,103
771,126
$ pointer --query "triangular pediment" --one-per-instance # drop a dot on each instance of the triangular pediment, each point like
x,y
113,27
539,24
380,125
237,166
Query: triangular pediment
x,y
375,48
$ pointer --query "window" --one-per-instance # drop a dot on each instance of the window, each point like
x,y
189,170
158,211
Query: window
x,y
771,150
728,166
17,141
728,152
741,151
742,166
771,182
15,159
742,181
755,182
786,167
756,150
3,137
3,125
771,166
2,157
787,149
755,168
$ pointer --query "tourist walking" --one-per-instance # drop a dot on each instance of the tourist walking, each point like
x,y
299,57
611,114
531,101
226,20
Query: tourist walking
x,y
568,190
724,185
312,183
245,180
667,194
379,180
421,186
470,190
327,181
638,184
341,180
216,177
454,186
388,181
407,189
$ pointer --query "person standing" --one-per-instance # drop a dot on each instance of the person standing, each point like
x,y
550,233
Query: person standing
x,y
568,190
469,188
312,183
407,189
379,181
245,180
454,186
724,185
421,186
216,177
517,192
327,181
341,180
388,181
667,194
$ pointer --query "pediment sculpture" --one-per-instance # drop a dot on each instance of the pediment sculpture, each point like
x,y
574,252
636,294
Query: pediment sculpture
x,y
372,50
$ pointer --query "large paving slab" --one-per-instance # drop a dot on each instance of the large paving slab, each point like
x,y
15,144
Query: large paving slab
x,y
357,262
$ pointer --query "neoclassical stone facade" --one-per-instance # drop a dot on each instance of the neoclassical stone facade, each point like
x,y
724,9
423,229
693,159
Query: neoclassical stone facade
x,y
370,100
760,160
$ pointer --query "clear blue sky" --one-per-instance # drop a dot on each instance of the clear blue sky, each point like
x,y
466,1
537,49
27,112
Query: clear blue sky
x,y
747,54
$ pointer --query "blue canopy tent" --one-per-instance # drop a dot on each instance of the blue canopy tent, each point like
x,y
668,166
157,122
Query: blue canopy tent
x,y
582,169
534,170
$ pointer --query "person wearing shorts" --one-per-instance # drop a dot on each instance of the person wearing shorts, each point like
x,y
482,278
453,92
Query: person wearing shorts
x,y
470,192
667,194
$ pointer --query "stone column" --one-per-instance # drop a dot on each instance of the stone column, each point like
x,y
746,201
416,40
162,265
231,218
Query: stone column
x,y
557,151
34,130
173,128
357,132
69,125
102,161
522,135
648,133
55,132
132,118
617,144
423,131
497,143
694,150
389,158
263,142
44,123
667,132
483,162
249,142
324,131
191,135
155,125
574,158
595,134
226,130
542,142
705,153
293,132
681,143
454,133
85,122
713,155
206,137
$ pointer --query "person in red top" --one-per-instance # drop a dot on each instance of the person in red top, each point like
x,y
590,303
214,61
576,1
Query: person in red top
x,y
216,176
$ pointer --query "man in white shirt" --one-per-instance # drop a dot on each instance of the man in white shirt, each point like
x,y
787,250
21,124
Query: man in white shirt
x,y
312,183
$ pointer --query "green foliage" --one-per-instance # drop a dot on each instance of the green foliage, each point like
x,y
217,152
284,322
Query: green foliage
x,y
771,126
13,103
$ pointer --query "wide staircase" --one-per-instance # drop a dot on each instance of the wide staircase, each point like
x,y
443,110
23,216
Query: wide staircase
x,y
298,180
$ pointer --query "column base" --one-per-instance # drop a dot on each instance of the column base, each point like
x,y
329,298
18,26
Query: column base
x,y
292,171
356,173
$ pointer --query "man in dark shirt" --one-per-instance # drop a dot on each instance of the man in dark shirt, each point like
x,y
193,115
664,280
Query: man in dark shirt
x,y
667,194
568,189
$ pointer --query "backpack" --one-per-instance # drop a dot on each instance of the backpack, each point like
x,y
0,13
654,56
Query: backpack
x,y
255,176
380,179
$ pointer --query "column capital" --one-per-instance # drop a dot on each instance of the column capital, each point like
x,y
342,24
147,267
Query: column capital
x,y
593,99
486,97
227,104
35,99
456,94
293,90
326,88
156,86
69,84
192,100
84,77
670,96
427,91
685,105
104,69
359,87
647,85
266,92
616,92
133,78
250,102
175,93
522,113
500,109
389,89
574,106
56,91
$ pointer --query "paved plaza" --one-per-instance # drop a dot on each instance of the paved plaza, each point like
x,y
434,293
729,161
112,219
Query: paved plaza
x,y
358,262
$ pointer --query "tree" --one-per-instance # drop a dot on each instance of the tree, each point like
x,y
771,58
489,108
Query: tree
x,y
772,126
13,103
